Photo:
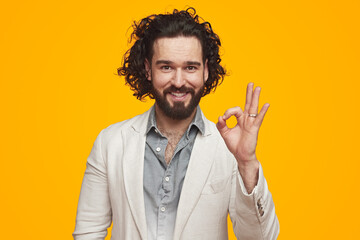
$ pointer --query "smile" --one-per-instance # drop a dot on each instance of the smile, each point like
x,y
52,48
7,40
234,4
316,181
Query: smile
x,y
178,96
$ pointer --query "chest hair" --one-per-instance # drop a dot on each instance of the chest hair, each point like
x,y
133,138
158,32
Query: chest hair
x,y
173,140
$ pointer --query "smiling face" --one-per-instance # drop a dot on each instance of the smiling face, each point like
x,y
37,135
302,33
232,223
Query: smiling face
x,y
178,74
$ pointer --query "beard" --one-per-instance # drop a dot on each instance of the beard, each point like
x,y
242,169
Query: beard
x,y
178,111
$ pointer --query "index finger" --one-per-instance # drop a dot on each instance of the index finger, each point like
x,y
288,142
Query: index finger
x,y
235,111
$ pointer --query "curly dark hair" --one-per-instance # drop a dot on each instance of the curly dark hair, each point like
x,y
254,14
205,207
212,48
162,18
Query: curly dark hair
x,y
179,23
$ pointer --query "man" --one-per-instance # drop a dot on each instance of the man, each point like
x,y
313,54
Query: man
x,y
170,173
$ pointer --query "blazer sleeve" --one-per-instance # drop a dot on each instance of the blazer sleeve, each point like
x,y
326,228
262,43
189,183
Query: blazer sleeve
x,y
94,209
253,215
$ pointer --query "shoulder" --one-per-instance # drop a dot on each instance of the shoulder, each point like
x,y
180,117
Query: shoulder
x,y
136,124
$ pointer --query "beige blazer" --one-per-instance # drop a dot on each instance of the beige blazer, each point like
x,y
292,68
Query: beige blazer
x,y
112,190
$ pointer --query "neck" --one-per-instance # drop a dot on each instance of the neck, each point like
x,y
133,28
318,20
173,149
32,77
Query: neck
x,y
167,124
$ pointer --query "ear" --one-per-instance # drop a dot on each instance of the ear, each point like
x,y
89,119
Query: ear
x,y
206,71
148,69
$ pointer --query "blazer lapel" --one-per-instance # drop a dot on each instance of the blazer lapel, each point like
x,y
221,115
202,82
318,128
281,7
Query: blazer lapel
x,y
197,173
133,167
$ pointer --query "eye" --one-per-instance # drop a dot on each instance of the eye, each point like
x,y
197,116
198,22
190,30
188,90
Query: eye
x,y
191,68
165,68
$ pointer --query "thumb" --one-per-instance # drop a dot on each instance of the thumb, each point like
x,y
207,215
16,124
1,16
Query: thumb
x,y
221,125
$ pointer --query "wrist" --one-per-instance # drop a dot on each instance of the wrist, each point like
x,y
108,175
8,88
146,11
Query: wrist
x,y
247,162
248,168
249,172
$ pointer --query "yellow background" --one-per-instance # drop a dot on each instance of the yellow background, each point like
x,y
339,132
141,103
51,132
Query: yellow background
x,y
59,89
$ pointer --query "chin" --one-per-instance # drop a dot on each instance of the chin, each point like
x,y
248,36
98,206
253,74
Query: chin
x,y
178,110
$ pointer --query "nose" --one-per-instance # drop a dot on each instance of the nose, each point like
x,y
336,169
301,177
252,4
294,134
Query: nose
x,y
178,79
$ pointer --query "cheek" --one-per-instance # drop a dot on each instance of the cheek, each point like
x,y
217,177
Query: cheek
x,y
161,80
196,80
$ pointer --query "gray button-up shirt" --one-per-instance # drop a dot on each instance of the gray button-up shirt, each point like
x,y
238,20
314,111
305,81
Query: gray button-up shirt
x,y
162,182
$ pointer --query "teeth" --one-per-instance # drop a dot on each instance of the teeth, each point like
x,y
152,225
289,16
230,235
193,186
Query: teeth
x,y
178,94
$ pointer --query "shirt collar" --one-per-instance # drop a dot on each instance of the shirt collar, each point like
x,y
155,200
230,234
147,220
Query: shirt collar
x,y
197,121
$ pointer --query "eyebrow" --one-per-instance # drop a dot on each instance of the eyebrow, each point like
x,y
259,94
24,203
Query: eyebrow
x,y
193,63
158,62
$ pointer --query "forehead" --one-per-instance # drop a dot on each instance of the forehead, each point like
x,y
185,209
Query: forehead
x,y
177,49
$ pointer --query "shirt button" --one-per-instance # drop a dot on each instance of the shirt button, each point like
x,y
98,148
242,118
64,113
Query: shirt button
x,y
167,179
162,209
158,149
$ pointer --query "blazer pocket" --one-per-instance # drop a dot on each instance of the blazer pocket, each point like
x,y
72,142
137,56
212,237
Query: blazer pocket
x,y
216,186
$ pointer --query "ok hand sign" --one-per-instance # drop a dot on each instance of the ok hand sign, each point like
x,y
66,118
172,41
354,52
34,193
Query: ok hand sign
x,y
241,140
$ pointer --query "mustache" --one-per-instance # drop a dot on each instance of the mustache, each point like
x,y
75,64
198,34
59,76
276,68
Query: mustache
x,y
182,89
